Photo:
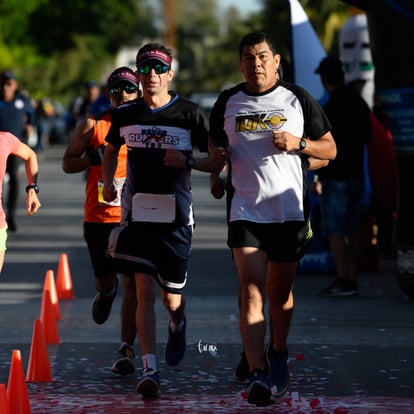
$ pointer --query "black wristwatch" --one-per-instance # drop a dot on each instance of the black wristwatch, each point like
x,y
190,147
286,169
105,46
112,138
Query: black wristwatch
x,y
302,144
190,162
34,186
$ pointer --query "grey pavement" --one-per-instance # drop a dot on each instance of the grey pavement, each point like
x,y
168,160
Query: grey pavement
x,y
352,355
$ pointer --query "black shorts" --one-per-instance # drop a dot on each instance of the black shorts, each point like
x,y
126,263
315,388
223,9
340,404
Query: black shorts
x,y
96,236
283,242
161,250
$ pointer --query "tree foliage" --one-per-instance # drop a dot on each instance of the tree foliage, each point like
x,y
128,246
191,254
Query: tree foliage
x,y
59,23
326,16
55,46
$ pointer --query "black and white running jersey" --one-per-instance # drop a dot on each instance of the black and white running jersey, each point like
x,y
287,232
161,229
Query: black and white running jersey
x,y
269,185
148,133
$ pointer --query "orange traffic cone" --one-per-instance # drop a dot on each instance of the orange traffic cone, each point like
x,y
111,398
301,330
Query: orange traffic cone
x,y
48,318
38,369
64,280
51,286
4,402
16,387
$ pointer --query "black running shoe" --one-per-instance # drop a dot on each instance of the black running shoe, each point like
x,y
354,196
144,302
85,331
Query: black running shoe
x,y
125,364
341,288
102,305
176,344
242,371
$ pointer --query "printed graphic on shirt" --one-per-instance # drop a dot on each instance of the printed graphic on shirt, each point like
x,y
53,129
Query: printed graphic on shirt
x,y
263,121
157,137
19,104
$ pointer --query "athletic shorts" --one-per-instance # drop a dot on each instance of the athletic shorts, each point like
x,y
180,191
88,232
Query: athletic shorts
x,y
160,250
3,239
283,242
96,236
342,207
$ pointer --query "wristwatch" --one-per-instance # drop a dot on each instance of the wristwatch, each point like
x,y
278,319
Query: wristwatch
x,y
34,186
302,144
190,162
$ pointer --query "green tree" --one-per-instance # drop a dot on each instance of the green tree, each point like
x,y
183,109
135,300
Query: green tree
x,y
14,44
208,44
196,29
14,20
55,46
57,25
327,18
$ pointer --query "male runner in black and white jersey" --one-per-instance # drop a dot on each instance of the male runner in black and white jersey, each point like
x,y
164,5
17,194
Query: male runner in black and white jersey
x,y
271,132
160,131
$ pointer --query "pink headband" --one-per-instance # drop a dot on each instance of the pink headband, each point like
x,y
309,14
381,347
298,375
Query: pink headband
x,y
154,54
122,76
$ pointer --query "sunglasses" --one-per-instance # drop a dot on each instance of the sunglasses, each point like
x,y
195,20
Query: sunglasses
x,y
158,68
119,89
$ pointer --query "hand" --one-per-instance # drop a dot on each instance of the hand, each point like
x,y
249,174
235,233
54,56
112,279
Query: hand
x,y
217,186
27,131
32,202
285,141
95,155
316,187
110,193
219,158
176,159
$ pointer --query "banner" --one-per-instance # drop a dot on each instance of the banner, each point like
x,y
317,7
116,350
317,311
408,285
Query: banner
x,y
306,52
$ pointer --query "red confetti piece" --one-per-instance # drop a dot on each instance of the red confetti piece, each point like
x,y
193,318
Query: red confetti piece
x,y
300,357
314,403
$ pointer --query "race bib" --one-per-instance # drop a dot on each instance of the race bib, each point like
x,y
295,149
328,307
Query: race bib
x,y
118,183
154,208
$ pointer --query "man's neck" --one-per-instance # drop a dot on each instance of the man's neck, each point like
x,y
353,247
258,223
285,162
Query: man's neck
x,y
157,101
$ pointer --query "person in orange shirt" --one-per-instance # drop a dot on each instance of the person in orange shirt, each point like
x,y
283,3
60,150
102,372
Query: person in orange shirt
x,y
85,153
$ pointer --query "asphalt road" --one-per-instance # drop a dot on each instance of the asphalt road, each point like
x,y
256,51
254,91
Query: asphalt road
x,y
351,355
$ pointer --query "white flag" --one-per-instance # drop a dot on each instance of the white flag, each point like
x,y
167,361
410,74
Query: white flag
x,y
307,51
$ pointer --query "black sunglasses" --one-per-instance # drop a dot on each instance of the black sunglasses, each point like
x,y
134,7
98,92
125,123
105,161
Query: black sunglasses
x,y
119,89
158,68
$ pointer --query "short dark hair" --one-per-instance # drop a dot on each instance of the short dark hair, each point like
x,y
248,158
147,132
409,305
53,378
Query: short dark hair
x,y
253,38
331,69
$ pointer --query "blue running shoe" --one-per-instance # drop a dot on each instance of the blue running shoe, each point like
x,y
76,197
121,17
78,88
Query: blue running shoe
x,y
258,392
149,383
278,371
175,348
